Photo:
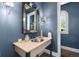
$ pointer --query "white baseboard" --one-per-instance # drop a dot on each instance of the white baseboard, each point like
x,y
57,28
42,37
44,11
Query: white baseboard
x,y
48,52
70,49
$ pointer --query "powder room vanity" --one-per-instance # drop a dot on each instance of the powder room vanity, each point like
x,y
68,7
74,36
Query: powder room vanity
x,y
32,47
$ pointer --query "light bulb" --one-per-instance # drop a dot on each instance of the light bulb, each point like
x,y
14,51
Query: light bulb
x,y
10,4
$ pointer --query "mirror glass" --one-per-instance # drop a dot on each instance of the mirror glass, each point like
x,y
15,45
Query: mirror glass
x,y
30,17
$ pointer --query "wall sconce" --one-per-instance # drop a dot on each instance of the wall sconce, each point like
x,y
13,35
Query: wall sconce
x,y
8,6
42,21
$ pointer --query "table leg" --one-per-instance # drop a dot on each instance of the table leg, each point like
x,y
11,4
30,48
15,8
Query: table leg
x,y
28,54
50,53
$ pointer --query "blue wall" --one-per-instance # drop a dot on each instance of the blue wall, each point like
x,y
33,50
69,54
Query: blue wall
x,y
50,11
11,26
72,39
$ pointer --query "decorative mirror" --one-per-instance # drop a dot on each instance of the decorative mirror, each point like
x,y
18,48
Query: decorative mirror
x,y
30,17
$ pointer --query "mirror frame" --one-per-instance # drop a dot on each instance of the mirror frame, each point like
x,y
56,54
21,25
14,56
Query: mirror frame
x,y
26,19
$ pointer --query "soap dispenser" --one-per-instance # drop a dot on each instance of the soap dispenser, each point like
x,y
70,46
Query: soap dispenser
x,y
27,37
49,35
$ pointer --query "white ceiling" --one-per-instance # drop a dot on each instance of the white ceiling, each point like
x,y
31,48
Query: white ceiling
x,y
62,3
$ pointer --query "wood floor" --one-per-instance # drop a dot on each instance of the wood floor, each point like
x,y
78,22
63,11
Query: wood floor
x,y
45,55
66,53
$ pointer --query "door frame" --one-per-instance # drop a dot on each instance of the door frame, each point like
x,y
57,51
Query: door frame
x,y
58,30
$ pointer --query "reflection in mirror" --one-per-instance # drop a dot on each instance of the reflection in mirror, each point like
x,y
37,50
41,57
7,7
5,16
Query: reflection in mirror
x,y
30,17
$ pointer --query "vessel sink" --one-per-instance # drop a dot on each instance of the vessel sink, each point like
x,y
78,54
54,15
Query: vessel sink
x,y
37,40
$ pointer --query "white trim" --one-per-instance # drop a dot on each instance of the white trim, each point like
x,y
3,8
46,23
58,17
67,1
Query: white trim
x,y
48,52
63,3
58,31
70,49
58,54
